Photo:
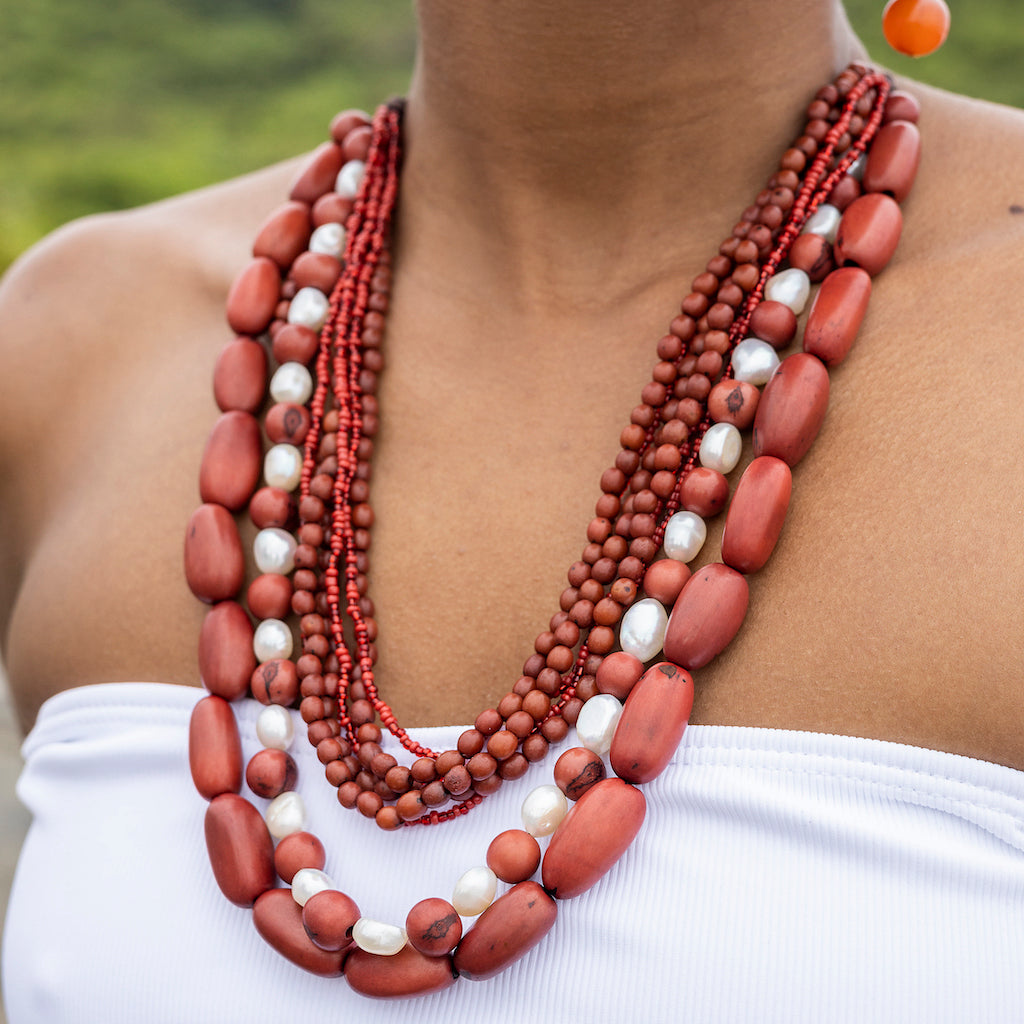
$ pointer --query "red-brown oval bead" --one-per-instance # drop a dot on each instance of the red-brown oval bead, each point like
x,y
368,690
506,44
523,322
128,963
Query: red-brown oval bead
x,y
893,160
868,232
507,930
328,918
901,106
287,423
577,770
278,919
232,460
792,408
275,682
513,855
594,834
226,657
240,375
270,506
214,748
812,254
652,723
733,401
270,772
706,616
270,596
756,514
284,235
773,322
253,296
664,581
298,850
704,491
295,344
319,173
434,927
240,848
214,562
617,674
836,314
407,973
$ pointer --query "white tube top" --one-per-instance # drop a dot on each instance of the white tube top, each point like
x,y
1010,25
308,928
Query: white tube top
x,y
779,876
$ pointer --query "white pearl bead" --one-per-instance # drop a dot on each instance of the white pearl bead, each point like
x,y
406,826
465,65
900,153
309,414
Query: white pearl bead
x,y
285,815
377,937
308,308
642,630
754,361
790,287
858,167
597,720
328,239
307,882
685,534
350,177
474,891
274,550
282,467
824,221
273,639
274,727
721,448
543,810
291,382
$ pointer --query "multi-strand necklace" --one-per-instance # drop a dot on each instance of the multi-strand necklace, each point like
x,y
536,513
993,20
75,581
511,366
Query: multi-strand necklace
x,y
616,659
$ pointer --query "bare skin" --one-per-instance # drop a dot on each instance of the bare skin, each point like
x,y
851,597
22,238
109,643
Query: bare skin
x,y
545,237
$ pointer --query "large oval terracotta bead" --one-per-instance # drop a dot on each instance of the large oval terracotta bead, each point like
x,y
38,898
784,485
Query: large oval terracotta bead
x,y
594,834
319,173
240,848
214,748
407,973
792,409
240,376
284,235
506,931
232,460
214,561
278,918
893,160
652,723
226,657
836,314
756,514
706,616
869,232
253,297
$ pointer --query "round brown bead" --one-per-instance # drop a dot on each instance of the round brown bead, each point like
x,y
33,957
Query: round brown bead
x,y
513,855
577,770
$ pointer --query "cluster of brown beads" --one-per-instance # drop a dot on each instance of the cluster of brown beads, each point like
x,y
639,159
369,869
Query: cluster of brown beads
x,y
653,475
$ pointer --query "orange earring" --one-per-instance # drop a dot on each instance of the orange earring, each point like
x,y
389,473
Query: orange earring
x,y
915,27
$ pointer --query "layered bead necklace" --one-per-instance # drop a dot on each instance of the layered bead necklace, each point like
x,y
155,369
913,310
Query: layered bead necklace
x,y
634,621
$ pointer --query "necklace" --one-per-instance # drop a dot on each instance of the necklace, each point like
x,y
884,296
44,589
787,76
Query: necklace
x,y
318,288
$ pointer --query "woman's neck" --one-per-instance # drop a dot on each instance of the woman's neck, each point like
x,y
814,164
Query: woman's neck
x,y
562,141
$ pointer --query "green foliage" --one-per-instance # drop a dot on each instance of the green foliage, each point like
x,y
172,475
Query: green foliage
x,y
111,103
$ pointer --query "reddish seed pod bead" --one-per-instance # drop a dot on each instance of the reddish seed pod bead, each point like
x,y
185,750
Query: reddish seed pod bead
x,y
704,491
434,927
868,232
706,616
576,770
240,849
664,581
214,748
513,855
278,919
240,376
618,673
328,918
792,408
270,773
269,596
270,506
406,974
756,514
214,562
297,851
836,314
773,322
226,658
253,296
733,401
813,255
319,173
284,235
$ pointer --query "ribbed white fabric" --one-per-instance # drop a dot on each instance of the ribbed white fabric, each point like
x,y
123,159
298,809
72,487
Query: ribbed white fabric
x,y
779,877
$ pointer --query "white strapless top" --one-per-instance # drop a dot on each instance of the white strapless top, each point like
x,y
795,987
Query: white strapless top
x,y
779,876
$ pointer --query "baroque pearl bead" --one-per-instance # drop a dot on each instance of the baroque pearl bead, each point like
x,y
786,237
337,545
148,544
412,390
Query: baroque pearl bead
x,y
274,550
308,308
543,810
291,382
275,728
474,891
790,287
307,882
824,221
721,448
642,631
282,466
328,239
285,815
272,640
350,177
378,937
685,534
754,361
597,721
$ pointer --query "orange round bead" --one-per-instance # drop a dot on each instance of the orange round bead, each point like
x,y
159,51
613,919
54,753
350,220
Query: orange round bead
x,y
915,27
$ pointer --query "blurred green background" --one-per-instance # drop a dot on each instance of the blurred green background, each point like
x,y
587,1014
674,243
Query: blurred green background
x,y
112,104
